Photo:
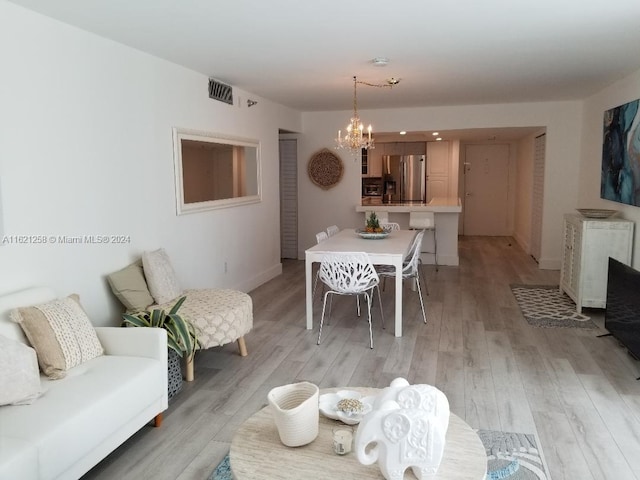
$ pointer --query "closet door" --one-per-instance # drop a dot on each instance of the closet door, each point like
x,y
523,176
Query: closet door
x,y
288,198
537,196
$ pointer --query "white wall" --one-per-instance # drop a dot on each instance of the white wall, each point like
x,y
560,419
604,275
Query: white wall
x,y
85,132
319,208
621,92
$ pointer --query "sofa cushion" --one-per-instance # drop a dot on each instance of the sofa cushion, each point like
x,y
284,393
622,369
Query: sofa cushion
x,y
61,333
161,278
78,413
130,286
19,373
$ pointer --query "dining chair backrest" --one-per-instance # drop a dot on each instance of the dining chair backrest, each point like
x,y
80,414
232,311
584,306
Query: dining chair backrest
x,y
348,272
390,226
321,236
410,264
332,230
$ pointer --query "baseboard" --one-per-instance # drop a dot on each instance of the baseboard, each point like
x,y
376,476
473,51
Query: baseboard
x,y
262,277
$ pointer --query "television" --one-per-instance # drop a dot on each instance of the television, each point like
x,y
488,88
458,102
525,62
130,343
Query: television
x,y
622,314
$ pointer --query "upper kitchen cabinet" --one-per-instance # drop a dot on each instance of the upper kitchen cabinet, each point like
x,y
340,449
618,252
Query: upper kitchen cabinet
x,y
414,148
372,162
403,148
438,169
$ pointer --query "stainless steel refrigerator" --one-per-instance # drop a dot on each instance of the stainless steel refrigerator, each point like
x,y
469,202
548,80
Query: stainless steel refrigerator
x,y
404,178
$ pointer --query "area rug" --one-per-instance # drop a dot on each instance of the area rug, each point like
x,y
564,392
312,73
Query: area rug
x,y
510,456
547,306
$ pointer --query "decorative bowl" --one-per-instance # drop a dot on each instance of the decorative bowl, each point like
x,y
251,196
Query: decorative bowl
x,y
596,212
372,235
329,401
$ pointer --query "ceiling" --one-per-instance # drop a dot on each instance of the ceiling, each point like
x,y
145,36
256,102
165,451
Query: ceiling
x,y
304,54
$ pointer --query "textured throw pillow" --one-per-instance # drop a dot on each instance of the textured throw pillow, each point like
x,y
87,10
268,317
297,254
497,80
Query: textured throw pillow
x,y
61,333
19,374
160,276
130,286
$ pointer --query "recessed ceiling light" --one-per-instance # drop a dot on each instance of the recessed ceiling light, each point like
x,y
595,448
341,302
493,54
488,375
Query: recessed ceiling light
x,y
403,133
393,81
380,61
438,139
435,134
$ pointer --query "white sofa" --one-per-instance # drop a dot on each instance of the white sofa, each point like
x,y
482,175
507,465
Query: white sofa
x,y
83,417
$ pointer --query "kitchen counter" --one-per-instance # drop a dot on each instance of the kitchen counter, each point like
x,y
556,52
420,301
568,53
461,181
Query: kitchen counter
x,y
437,204
446,212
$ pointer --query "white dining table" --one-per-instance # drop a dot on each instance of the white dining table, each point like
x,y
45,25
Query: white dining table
x,y
387,251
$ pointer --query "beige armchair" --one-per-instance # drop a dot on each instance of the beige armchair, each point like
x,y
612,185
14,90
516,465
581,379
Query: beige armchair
x,y
219,316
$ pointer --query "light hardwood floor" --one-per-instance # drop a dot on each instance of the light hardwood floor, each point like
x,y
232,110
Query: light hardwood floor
x,y
576,392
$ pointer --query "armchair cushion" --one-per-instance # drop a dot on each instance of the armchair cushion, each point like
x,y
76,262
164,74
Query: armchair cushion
x,y
130,286
61,334
161,278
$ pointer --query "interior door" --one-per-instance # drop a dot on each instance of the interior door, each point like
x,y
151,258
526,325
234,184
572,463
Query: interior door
x,y
288,198
486,187
537,196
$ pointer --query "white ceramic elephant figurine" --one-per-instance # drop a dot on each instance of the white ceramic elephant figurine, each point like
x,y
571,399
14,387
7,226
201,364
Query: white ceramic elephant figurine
x,y
408,424
419,396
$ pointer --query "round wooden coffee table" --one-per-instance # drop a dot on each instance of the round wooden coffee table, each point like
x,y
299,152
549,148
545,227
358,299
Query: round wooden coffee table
x,y
257,453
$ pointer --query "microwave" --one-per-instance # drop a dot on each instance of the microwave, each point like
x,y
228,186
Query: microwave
x,y
371,187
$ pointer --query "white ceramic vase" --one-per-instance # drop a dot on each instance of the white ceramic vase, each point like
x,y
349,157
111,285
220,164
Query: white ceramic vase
x,y
295,411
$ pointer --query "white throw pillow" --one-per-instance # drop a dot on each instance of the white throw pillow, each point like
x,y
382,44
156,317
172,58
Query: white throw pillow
x,y
161,278
19,373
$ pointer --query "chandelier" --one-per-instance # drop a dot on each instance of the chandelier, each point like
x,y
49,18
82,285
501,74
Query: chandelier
x,y
355,139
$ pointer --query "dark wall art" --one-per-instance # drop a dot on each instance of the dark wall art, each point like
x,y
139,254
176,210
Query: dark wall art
x,y
620,180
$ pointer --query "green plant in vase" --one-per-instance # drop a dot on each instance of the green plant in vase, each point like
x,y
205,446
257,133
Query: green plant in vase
x,y
181,335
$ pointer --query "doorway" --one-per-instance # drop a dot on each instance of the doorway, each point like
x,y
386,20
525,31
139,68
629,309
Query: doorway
x,y
486,190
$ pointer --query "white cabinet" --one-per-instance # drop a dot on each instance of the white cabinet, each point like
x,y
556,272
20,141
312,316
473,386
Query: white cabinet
x,y
438,169
588,244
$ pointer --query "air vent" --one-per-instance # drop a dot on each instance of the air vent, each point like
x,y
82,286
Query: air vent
x,y
220,91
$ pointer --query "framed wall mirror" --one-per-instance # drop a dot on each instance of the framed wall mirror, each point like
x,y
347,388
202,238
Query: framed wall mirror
x,y
214,171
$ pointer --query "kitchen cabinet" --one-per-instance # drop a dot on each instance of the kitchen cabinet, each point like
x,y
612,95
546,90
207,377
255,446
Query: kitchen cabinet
x,y
588,244
372,163
438,169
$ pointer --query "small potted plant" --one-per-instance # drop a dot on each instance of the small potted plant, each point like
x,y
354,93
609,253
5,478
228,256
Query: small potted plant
x,y
182,339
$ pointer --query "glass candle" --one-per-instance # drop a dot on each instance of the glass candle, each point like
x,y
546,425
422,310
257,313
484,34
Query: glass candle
x,y
342,440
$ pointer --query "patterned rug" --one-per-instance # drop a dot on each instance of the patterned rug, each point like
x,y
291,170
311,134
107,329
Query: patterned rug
x,y
546,306
510,456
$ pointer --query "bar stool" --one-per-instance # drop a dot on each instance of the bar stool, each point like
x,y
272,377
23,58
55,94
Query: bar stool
x,y
425,221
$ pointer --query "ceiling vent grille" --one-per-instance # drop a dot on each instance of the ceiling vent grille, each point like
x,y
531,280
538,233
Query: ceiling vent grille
x,y
220,91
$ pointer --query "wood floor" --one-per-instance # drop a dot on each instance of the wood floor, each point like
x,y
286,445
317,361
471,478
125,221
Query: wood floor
x,y
576,392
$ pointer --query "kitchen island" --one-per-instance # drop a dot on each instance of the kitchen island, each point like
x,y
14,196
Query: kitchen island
x,y
446,211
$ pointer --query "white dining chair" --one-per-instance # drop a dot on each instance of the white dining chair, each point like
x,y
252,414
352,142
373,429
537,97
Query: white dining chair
x,y
410,269
320,237
349,273
332,230
425,221
390,226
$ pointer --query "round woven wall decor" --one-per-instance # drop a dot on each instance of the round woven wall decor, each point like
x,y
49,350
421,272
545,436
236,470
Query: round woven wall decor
x,y
325,169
